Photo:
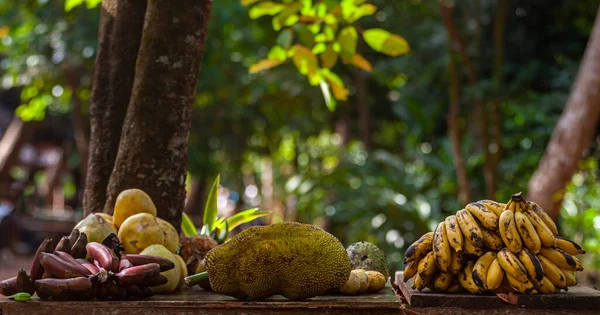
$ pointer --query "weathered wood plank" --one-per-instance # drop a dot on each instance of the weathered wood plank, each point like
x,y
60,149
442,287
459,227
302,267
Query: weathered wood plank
x,y
197,301
578,297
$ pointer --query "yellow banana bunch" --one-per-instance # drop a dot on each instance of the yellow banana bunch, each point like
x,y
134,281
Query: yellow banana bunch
x,y
489,243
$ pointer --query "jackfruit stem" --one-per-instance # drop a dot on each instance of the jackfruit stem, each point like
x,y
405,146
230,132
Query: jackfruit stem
x,y
196,279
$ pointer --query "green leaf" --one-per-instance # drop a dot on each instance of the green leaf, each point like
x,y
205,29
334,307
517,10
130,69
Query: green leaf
x,y
264,65
243,217
362,11
90,4
265,8
248,2
187,226
348,7
285,37
337,85
329,101
386,42
286,17
211,210
329,57
70,4
319,48
306,61
277,53
347,39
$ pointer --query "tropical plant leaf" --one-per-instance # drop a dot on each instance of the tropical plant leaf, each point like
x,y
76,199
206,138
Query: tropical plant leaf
x,y
210,209
243,217
187,226
347,39
265,8
386,42
361,62
264,65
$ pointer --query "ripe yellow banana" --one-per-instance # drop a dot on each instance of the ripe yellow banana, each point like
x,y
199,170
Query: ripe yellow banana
x,y
418,283
512,265
471,249
480,269
491,239
569,246
466,279
544,233
455,263
420,248
442,281
532,264
455,237
569,277
441,247
508,230
528,234
552,272
411,269
469,227
494,206
544,216
488,218
525,287
544,286
426,270
495,275
455,287
562,259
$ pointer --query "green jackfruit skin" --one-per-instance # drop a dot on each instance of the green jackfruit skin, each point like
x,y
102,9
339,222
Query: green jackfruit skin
x,y
295,260
367,256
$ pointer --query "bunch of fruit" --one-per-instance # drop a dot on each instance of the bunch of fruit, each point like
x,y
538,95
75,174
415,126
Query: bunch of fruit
x,y
61,272
494,247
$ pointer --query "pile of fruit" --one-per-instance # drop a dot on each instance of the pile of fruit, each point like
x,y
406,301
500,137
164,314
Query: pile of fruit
x,y
61,272
126,256
494,247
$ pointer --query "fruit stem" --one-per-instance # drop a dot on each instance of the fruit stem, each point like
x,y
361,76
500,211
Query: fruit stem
x,y
196,279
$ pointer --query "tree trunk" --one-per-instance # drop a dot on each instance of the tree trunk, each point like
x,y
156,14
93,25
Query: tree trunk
x,y
457,42
195,200
153,150
573,133
464,190
118,45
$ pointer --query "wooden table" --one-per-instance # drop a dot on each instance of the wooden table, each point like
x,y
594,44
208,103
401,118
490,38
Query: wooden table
x,y
197,301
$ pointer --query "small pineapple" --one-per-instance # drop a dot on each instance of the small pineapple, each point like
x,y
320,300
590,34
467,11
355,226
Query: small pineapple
x,y
194,249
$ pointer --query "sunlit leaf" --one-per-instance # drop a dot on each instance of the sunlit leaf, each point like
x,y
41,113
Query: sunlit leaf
x,y
286,17
361,62
70,4
321,10
337,85
348,7
347,40
242,217
329,101
307,8
362,11
329,57
248,2
90,4
277,53
265,8
187,226
319,48
386,42
264,65
211,209
305,61
330,19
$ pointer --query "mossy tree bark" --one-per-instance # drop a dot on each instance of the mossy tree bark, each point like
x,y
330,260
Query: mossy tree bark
x,y
152,153
573,134
118,44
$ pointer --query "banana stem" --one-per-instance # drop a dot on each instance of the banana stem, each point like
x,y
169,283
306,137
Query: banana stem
x,y
196,279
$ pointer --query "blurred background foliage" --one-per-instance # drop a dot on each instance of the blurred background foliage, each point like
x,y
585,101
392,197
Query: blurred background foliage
x,y
378,168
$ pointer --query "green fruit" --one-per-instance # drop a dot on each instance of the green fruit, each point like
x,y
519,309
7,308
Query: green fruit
x,y
21,297
367,256
174,275
295,260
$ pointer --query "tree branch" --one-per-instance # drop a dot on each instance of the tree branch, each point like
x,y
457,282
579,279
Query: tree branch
x,y
573,133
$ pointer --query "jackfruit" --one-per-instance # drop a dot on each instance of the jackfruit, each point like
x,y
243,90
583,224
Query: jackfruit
x,y
295,260
367,256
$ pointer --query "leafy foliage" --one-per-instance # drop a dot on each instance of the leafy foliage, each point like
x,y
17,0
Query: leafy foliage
x,y
316,34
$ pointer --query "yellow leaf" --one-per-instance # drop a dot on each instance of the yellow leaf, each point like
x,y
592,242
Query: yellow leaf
x,y
4,31
264,65
361,62
339,92
305,61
